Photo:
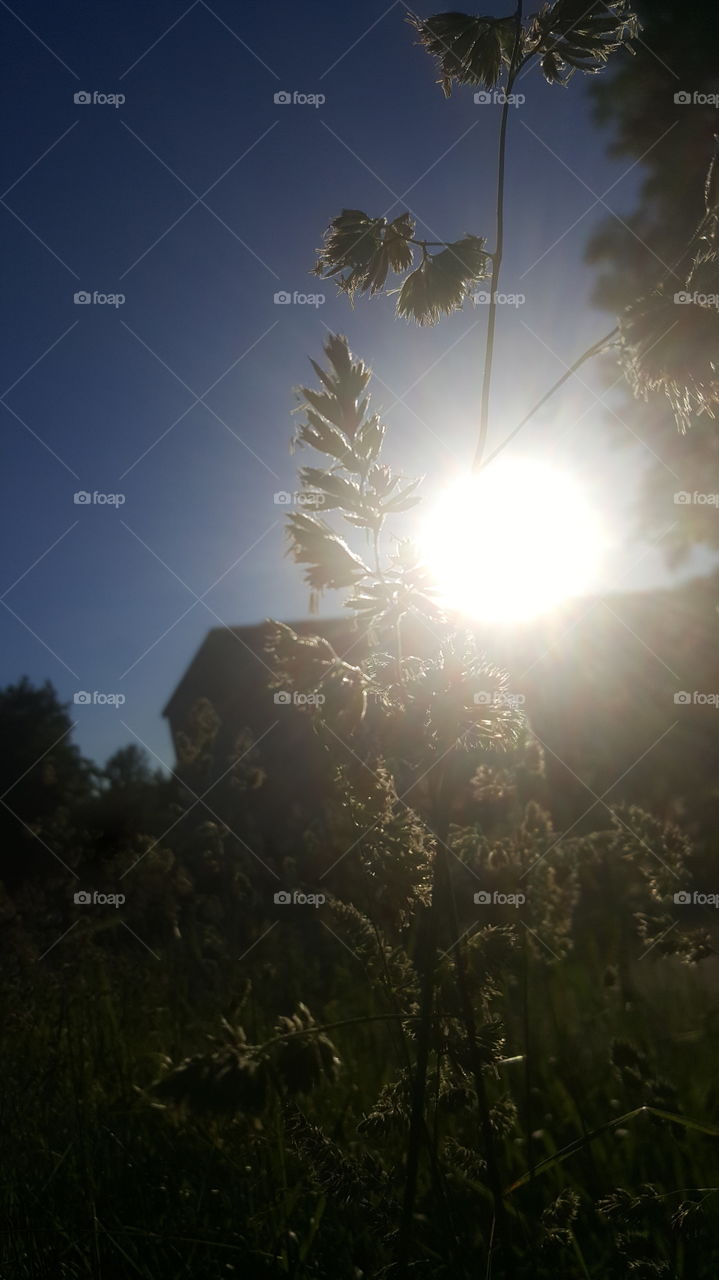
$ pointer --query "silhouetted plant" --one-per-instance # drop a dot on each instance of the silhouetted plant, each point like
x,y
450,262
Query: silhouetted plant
x,y
404,714
396,715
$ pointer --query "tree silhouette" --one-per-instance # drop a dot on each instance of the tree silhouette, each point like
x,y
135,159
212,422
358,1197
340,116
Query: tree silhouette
x,y
674,141
43,776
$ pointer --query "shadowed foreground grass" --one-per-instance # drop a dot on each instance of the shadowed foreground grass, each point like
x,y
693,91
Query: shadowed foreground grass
x,y
98,1180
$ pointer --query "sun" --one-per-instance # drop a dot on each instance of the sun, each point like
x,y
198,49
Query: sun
x,y
512,542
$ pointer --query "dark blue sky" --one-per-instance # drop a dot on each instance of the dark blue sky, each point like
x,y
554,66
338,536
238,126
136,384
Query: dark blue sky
x,y
198,199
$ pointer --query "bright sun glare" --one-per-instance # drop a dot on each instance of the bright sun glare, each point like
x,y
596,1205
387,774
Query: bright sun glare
x,y
511,542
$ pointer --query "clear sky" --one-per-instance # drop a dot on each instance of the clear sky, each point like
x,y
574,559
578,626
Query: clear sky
x,y
197,199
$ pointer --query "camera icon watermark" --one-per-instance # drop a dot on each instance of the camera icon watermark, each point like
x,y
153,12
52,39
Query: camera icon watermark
x,y
84,898
285,98
83,498
85,99
285,299
98,699
285,899
483,898
284,699
83,298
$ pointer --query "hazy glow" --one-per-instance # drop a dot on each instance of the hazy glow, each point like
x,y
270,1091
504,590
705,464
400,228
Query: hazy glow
x,y
512,542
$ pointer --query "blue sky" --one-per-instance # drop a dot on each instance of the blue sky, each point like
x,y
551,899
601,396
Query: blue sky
x,y
197,199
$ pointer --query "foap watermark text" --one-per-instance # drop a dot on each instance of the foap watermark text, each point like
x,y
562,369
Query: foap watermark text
x,y
483,898
482,299
285,98
696,699
300,498
486,98
696,99
83,498
285,699
498,698
687,898
285,299
83,698
84,98
696,299
83,298
297,899
84,898
684,499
